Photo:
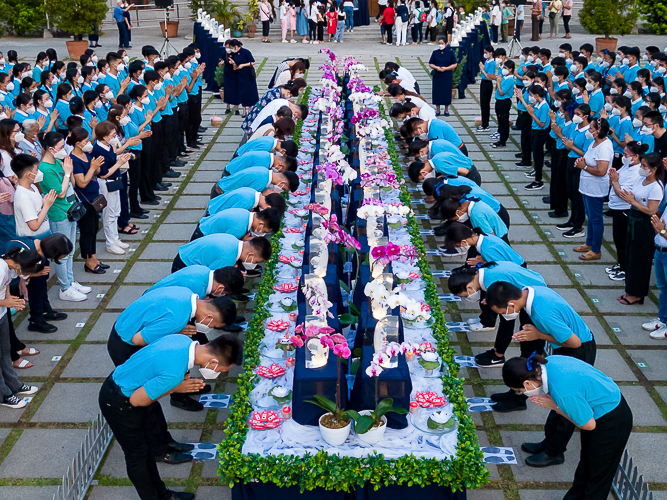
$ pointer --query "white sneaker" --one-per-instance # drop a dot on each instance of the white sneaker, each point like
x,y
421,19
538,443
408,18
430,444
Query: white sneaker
x,y
27,390
72,294
13,402
292,41
660,334
122,245
654,324
474,321
285,41
115,250
80,288
479,327
305,41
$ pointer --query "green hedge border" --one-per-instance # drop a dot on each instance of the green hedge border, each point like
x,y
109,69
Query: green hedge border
x,y
331,472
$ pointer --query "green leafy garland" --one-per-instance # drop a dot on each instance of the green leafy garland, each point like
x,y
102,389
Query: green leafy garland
x,y
332,472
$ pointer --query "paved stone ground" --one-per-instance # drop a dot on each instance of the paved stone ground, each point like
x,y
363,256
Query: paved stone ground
x,y
38,443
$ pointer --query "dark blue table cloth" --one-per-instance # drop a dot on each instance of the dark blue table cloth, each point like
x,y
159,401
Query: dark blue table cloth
x,y
266,491
472,48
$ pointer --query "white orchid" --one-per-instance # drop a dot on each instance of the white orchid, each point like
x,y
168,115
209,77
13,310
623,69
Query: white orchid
x,y
349,175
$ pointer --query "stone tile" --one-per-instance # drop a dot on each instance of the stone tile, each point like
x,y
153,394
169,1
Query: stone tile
x,y
160,251
105,256
612,364
58,405
509,203
43,361
655,368
662,390
89,278
607,302
114,465
628,329
594,275
90,303
495,188
517,217
575,299
193,202
645,411
28,492
649,453
210,468
125,295
206,176
523,233
179,216
90,361
485,495
174,232
493,469
601,337
534,253
197,188
215,492
102,327
67,329
119,492
552,274
148,272
41,452
547,495
14,415
567,254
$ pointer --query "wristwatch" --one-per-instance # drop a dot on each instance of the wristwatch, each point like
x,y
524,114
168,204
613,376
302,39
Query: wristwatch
x,y
663,232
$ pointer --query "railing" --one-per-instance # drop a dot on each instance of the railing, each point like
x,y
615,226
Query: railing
x,y
79,476
628,483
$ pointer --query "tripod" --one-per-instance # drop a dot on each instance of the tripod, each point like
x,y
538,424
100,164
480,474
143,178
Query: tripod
x,y
166,45
514,45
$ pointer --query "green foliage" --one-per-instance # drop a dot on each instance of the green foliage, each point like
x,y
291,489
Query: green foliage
x,y
458,71
244,20
330,407
225,12
220,76
655,13
78,17
23,17
363,423
607,17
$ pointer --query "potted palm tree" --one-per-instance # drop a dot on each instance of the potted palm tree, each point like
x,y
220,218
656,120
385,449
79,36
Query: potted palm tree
x,y
607,17
77,17
226,13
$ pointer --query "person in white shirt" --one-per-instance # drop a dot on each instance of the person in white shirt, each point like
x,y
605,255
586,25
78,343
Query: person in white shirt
x,y
30,144
496,19
432,22
520,16
594,185
312,22
30,211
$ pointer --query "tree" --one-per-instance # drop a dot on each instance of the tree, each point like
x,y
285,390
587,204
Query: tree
x,y
604,17
23,17
655,14
78,17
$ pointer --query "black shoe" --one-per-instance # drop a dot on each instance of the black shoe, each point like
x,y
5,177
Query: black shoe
x,y
160,188
554,215
231,329
441,230
546,199
488,359
150,202
182,447
516,403
180,495
534,186
164,184
237,112
97,269
41,326
194,145
497,145
575,233
228,111
238,297
501,396
544,460
135,215
104,266
240,319
183,155
174,458
565,226
533,448
177,163
185,402
201,129
253,273
204,390
518,155
172,174
54,316
523,165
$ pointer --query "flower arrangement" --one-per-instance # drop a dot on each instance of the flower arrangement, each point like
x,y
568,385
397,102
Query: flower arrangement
x,y
384,254
338,235
385,180
318,209
413,310
317,297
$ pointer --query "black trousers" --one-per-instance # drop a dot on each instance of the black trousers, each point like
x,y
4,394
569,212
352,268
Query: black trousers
x,y
312,30
504,215
129,425
485,94
38,295
182,124
389,32
473,175
619,233
503,107
196,234
178,264
124,218
601,452
194,118
558,186
169,134
146,182
558,430
572,175
566,24
537,139
464,149
266,27
639,253
157,163
526,126
320,31
135,180
89,224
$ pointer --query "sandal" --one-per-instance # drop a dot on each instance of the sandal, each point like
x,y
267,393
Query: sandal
x,y
591,256
583,248
31,351
624,300
22,364
128,230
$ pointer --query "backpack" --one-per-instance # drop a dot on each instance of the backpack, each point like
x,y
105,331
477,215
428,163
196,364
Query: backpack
x,y
405,15
438,17
423,17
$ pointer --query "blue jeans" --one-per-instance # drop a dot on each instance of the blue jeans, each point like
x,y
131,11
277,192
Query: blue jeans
x,y
64,270
349,18
595,229
340,32
660,261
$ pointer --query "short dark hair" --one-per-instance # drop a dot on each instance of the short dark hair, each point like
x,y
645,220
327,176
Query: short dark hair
x,y
304,110
29,260
271,218
261,246
290,147
230,277
227,349
227,309
290,162
55,246
292,180
275,200
516,372
500,293
655,117
414,170
284,112
416,146
22,163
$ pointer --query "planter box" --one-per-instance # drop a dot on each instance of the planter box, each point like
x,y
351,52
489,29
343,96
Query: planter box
x,y
76,49
172,29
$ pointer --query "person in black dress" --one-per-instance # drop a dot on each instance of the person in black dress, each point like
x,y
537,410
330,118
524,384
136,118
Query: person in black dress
x,y
442,62
231,81
245,73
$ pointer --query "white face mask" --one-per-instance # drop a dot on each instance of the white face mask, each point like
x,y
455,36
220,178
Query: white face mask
x,y
608,107
30,110
568,60
590,87
573,68
506,72
197,55
604,64
636,122
167,77
577,119
625,61
498,61
598,60
79,80
229,51
109,95
120,67
202,328
589,135
530,59
10,86
463,217
2,61
645,130
145,100
644,57
616,112
60,155
654,90
473,297
561,54
628,94
558,104
662,108
158,86
124,121
39,177
561,114
538,391
87,148
90,64
94,78
575,91
48,103
95,59
613,91
126,59
249,265
19,137
532,99
430,175
257,234
626,160
208,373
115,142
644,173
188,65
510,316
660,70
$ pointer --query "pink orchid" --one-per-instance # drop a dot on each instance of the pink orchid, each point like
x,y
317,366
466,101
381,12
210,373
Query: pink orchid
x,y
326,341
342,351
296,341
338,338
379,252
298,328
393,249
326,330
312,331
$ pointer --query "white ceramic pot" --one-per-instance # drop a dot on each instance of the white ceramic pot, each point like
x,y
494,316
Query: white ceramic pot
x,y
374,434
335,437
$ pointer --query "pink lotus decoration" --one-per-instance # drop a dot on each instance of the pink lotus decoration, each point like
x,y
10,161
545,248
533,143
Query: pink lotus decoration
x,y
262,420
272,371
286,288
292,230
277,325
430,400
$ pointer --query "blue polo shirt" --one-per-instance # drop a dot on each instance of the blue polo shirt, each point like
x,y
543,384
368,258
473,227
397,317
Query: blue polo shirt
x,y
630,73
489,67
475,191
445,163
113,82
510,272
493,249
596,102
234,221
197,279
158,367
621,127
507,86
580,391
63,113
248,160
213,251
155,96
542,114
197,85
138,116
258,178
578,137
118,14
483,217
552,315
244,197
442,146
636,105
21,116
156,314
265,143
519,105
439,129
7,99
644,139
131,130
103,112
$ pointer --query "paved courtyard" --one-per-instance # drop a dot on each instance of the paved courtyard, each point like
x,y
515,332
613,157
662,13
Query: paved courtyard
x,y
38,443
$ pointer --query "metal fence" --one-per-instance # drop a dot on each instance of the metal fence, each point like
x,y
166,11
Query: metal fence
x,y
628,483
80,474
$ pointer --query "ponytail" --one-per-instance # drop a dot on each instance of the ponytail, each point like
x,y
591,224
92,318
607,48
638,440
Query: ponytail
x,y
30,261
517,370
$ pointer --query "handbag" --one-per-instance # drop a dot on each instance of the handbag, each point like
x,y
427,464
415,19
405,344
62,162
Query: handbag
x,y
114,185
